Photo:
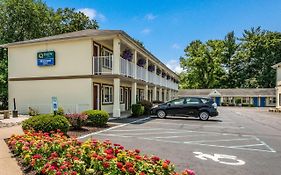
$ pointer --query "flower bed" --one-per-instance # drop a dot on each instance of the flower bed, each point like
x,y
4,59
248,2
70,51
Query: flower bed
x,y
55,153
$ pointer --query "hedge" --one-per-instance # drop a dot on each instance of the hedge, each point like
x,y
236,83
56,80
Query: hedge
x,y
97,117
137,110
46,123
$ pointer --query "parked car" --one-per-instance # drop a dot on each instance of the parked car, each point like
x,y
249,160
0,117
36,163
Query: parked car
x,y
202,108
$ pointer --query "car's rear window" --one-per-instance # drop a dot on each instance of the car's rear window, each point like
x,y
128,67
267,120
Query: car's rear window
x,y
205,100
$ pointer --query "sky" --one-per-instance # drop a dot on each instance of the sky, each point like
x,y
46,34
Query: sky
x,y
166,27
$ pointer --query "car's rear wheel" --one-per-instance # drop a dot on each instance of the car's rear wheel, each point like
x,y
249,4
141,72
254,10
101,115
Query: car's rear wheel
x,y
204,115
161,114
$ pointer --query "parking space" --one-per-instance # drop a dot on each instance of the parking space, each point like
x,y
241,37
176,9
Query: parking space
x,y
239,141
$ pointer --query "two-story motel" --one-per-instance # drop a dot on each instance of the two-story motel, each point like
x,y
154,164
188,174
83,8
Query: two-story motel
x,y
278,84
89,69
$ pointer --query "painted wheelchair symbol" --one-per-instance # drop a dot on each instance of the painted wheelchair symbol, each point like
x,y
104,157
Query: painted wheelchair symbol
x,y
217,158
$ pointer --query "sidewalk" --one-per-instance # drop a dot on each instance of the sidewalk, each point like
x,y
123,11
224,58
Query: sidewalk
x,y
8,165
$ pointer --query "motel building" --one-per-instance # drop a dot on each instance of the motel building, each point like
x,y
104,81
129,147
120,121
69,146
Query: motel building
x,y
257,97
89,69
278,84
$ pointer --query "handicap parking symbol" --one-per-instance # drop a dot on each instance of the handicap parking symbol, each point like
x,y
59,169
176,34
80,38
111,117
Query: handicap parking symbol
x,y
227,159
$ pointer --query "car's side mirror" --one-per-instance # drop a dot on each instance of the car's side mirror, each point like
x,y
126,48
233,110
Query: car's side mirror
x,y
169,104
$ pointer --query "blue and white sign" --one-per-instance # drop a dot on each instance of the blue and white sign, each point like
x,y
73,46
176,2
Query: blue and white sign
x,y
55,103
46,58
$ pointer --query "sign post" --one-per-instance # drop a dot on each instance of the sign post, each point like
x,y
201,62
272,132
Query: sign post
x,y
55,104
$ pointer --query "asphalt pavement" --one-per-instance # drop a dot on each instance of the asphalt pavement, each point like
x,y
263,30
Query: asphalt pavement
x,y
240,141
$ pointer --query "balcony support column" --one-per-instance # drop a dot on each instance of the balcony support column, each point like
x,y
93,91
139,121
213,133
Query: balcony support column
x,y
154,93
116,98
116,56
134,93
135,59
146,72
146,92
160,95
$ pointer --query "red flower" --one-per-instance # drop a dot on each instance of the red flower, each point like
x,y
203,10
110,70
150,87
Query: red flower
x,y
73,173
37,156
129,164
105,164
155,158
119,165
137,151
54,154
138,157
108,157
167,161
131,170
99,158
109,151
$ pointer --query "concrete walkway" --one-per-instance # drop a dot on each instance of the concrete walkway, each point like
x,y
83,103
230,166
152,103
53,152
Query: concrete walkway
x,y
8,165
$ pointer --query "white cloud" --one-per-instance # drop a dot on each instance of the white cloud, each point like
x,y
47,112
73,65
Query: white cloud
x,y
176,46
174,65
146,31
150,17
92,14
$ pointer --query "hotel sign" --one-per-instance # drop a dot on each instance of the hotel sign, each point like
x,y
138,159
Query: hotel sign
x,y
46,58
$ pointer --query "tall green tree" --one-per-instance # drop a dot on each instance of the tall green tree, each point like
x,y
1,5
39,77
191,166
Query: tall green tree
x,y
202,64
28,19
258,51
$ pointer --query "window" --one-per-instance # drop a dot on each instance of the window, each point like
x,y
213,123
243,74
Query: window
x,y
246,100
192,101
272,100
107,58
121,95
107,94
140,95
180,101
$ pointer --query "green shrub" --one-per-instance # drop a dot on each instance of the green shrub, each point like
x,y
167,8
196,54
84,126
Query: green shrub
x,y
32,112
60,111
238,101
137,110
46,123
147,106
97,117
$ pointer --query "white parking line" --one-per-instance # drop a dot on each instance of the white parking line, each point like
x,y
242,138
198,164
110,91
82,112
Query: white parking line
x,y
118,126
206,126
222,140
241,146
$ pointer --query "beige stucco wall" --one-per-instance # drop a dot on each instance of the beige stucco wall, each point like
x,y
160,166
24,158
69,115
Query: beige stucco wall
x,y
278,91
74,95
73,57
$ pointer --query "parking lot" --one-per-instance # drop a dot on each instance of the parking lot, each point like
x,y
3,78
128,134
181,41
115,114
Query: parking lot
x,y
239,141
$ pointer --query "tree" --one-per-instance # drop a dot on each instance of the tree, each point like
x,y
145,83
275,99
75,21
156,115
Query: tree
x,y
202,64
28,19
232,63
258,51
68,20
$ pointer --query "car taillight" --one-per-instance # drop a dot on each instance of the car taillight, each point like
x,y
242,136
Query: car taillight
x,y
215,105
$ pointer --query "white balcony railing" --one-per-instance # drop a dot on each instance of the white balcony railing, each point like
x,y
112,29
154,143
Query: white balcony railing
x,y
104,65
126,67
141,73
